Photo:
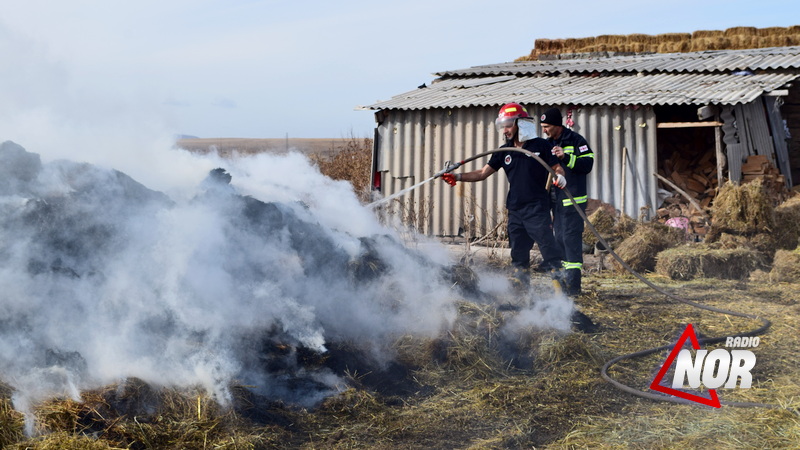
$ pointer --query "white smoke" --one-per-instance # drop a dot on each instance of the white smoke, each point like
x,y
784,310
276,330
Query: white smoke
x,y
106,279
157,273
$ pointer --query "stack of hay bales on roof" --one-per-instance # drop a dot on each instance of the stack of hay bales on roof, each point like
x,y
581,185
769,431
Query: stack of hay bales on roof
x,y
730,39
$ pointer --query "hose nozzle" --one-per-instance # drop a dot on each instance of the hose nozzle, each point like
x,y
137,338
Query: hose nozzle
x,y
448,167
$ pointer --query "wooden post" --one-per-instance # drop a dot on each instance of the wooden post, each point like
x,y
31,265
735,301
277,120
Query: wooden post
x,y
720,156
624,176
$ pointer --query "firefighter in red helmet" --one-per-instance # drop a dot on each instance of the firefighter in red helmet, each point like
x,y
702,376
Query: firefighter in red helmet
x,y
528,200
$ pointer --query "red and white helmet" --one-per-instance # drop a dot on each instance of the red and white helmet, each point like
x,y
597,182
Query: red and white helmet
x,y
508,115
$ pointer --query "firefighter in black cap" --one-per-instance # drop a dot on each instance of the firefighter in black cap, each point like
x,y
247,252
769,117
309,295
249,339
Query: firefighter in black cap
x,y
577,160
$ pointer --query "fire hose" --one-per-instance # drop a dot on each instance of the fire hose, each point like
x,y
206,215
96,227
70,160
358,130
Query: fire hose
x,y
765,324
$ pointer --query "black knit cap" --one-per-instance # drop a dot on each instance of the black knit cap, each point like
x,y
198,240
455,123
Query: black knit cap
x,y
552,117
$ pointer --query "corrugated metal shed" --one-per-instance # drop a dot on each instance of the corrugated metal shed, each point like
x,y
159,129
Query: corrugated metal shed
x,y
612,101
414,144
657,89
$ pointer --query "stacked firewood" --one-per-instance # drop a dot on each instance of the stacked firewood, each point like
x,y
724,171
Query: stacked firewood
x,y
759,167
696,182
697,185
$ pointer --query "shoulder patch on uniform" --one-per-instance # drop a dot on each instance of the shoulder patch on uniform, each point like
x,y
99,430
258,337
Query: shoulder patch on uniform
x,y
584,148
508,159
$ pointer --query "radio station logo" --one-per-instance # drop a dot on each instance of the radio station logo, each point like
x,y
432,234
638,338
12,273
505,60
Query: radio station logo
x,y
720,368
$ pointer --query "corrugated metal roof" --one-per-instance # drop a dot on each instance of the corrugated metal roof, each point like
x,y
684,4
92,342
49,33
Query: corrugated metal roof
x,y
641,89
772,58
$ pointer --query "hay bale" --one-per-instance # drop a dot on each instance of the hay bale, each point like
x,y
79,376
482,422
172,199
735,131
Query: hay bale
x,y
787,223
673,37
741,31
638,38
742,209
700,44
625,227
699,34
689,262
771,31
640,249
762,242
786,266
549,46
636,47
603,221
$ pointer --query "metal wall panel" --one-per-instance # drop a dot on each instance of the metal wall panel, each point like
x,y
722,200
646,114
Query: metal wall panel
x,y
415,144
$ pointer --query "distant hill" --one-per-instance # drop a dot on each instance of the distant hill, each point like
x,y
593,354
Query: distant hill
x,y
227,146
730,39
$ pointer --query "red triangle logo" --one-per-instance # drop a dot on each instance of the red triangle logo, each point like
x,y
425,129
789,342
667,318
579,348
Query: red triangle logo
x,y
688,333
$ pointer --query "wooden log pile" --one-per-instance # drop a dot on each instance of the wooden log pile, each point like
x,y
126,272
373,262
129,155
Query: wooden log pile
x,y
697,184
759,167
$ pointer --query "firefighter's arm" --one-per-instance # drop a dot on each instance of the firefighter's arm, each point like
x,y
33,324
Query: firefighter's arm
x,y
475,175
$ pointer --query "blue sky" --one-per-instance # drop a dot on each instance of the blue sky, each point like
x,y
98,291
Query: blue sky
x,y
271,69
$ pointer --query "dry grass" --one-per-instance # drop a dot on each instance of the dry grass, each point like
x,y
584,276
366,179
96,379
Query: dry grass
x,y
478,389
348,159
225,147
352,162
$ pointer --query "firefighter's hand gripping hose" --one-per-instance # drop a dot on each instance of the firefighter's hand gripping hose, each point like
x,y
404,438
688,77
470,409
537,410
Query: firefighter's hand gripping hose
x,y
451,179
765,324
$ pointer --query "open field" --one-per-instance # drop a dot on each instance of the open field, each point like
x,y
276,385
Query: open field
x,y
227,146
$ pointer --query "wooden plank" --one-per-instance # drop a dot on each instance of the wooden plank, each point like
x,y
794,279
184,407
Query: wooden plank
x,y
688,124
677,178
700,178
749,168
682,192
694,187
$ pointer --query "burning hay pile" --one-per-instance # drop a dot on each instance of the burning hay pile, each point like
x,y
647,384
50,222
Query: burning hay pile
x,y
497,375
199,321
469,387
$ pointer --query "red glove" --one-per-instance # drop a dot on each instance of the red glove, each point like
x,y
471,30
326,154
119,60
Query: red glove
x,y
450,179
